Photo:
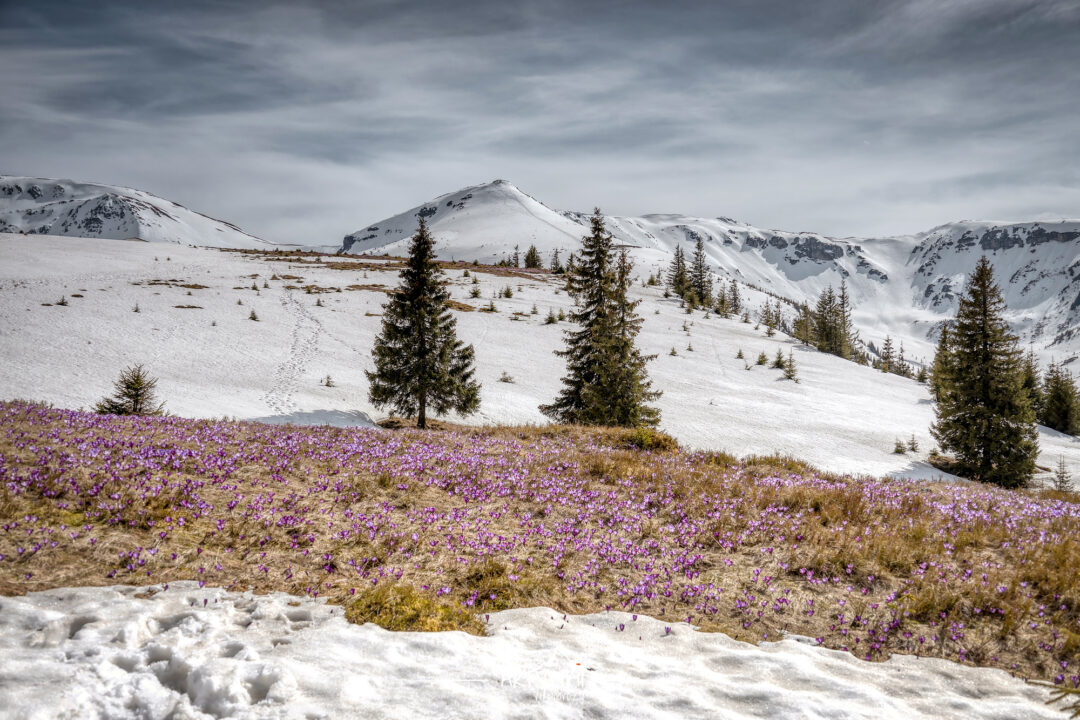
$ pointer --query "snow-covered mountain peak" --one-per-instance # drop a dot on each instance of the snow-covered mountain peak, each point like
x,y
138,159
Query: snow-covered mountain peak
x,y
44,206
903,285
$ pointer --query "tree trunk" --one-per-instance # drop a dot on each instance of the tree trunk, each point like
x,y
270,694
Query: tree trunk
x,y
421,418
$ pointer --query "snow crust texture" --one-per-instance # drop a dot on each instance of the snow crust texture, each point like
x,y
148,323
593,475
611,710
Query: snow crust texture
x,y
190,653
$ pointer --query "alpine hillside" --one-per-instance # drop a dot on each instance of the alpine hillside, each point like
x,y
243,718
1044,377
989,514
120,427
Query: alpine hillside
x,y
902,286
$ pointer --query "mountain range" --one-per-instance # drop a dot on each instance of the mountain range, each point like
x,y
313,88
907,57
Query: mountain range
x,y
903,286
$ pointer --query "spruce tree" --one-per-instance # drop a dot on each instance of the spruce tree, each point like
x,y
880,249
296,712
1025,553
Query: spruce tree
x,y
623,389
804,325
1031,380
888,357
941,370
532,257
605,383
846,330
984,416
790,372
556,266
734,299
678,277
700,277
134,394
825,327
1060,407
419,362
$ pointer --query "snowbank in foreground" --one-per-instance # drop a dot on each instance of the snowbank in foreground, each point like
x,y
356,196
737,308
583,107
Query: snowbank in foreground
x,y
205,653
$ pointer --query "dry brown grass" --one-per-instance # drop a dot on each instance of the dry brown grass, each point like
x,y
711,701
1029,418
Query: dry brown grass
x,y
874,538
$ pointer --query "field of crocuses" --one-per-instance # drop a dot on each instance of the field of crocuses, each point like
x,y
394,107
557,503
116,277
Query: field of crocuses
x,y
448,525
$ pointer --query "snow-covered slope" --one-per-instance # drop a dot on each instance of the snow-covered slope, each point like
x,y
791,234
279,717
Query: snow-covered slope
x,y
179,651
213,361
64,207
483,222
901,286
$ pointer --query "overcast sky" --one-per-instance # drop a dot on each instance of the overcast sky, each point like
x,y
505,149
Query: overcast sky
x,y
303,122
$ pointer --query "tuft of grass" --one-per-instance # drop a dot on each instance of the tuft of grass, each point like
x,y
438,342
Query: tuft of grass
x,y
647,439
404,608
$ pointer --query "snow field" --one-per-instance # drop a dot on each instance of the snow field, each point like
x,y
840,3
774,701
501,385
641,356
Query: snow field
x,y
215,362
185,652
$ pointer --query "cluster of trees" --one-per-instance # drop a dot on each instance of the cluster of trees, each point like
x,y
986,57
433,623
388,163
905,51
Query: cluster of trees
x,y
532,259
828,327
1054,395
892,360
420,363
693,283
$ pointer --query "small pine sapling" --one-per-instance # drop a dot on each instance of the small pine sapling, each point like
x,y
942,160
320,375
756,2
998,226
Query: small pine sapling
x,y
1062,480
789,368
134,395
506,377
762,358
318,302
778,361
739,355
253,316
62,301
474,293
534,310
913,443
899,447
550,319
673,351
136,308
561,315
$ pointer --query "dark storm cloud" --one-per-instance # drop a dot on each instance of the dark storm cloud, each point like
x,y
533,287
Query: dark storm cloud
x,y
305,121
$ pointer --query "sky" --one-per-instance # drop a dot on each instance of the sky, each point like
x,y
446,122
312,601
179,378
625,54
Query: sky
x,y
302,122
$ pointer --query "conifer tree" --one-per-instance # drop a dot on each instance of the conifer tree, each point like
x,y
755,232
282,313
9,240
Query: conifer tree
x,y
134,394
556,266
606,382
1031,380
700,277
419,362
847,333
888,359
1060,407
984,416
804,325
722,308
826,332
532,257
789,367
678,276
734,300
941,370
623,389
